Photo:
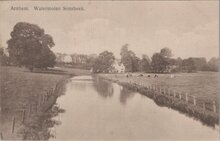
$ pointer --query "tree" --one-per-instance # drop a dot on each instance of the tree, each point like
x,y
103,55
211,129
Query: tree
x,y
162,62
178,64
4,59
129,59
166,52
159,63
104,62
29,46
189,65
144,64
179,61
145,56
47,59
135,64
126,58
213,64
1,51
200,63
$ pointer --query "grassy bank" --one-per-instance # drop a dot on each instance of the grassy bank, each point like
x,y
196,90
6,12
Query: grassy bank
x,y
34,93
203,112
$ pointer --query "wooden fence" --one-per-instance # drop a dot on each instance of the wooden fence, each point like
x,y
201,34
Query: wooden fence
x,y
209,105
30,109
190,99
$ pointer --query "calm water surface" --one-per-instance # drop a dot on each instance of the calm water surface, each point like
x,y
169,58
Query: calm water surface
x,y
96,109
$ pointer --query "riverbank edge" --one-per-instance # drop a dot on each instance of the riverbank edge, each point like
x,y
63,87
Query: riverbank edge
x,y
51,101
206,117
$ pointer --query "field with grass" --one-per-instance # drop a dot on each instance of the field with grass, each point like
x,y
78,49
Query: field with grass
x,y
203,85
21,88
195,94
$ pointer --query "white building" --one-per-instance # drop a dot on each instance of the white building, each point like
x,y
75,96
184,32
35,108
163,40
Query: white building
x,y
118,67
67,59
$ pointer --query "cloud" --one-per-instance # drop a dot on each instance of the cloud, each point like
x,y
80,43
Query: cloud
x,y
188,28
201,41
94,35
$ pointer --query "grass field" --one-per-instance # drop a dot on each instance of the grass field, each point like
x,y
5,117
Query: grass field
x,y
20,88
202,101
203,85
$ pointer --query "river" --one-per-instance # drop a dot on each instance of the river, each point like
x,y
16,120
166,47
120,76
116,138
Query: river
x,y
97,109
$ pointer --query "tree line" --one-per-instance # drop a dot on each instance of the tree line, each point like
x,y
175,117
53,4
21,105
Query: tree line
x,y
30,46
160,62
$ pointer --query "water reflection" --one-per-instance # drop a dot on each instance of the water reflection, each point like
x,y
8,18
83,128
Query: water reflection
x,y
103,88
40,129
106,89
125,94
100,110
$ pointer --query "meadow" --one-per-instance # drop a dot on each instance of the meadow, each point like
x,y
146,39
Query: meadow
x,y
195,94
203,85
20,88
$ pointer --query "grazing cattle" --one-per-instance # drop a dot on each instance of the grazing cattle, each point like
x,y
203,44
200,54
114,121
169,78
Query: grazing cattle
x,y
172,76
140,75
148,75
128,75
155,76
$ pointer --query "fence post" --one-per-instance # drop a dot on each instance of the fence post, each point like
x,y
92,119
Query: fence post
x,y
1,136
47,96
187,97
214,107
23,116
39,101
47,92
43,98
56,86
174,93
30,109
37,108
194,100
51,91
180,95
203,106
13,125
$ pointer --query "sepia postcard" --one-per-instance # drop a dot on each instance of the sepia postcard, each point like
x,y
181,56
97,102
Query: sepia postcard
x,y
109,70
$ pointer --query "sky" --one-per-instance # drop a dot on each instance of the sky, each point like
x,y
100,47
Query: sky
x,y
188,28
